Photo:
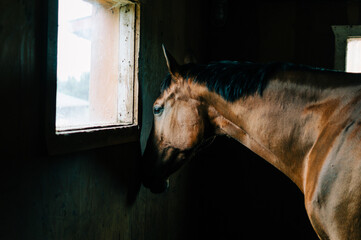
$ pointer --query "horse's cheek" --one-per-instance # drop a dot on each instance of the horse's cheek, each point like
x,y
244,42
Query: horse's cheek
x,y
182,139
195,135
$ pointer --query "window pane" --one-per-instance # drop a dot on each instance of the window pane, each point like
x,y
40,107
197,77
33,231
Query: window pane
x,y
95,68
353,55
74,57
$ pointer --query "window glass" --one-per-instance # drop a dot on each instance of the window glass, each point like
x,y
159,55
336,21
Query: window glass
x,y
353,55
95,64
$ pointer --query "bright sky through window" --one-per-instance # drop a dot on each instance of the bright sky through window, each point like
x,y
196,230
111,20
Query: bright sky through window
x,y
74,52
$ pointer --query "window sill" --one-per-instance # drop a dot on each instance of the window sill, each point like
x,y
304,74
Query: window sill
x,y
85,139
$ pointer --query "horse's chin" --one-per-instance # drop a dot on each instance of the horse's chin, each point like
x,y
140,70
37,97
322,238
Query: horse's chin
x,y
159,186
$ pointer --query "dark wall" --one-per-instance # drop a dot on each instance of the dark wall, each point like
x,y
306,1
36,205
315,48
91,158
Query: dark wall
x,y
225,193
280,30
91,194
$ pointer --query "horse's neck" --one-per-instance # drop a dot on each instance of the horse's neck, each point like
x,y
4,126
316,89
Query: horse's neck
x,y
281,126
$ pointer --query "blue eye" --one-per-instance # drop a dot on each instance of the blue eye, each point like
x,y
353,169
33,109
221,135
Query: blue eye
x,y
157,109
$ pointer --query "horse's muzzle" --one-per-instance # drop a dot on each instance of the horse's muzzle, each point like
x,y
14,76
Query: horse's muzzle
x,y
152,176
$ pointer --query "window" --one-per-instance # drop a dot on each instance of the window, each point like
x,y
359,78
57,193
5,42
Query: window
x,y
347,48
95,64
92,69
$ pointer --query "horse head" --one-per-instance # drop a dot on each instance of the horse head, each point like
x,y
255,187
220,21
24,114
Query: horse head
x,y
179,129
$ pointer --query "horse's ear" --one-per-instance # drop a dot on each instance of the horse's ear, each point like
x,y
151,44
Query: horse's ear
x,y
173,66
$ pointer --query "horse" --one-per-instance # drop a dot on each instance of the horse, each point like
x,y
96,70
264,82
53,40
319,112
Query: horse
x,y
305,121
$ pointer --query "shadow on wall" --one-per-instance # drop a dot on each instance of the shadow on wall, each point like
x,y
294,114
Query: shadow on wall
x,y
244,197
83,195
122,164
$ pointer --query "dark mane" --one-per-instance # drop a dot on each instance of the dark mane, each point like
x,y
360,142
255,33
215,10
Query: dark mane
x,y
233,80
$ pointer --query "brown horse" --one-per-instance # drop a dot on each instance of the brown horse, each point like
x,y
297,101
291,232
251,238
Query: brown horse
x,y
304,121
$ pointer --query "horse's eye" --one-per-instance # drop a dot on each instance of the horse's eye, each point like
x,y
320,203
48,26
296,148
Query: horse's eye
x,y
158,109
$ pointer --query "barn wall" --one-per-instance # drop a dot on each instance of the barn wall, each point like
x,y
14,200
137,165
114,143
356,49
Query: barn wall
x,y
281,30
90,194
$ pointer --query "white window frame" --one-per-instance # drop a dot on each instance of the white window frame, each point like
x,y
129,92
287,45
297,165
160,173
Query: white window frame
x,y
90,137
342,33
